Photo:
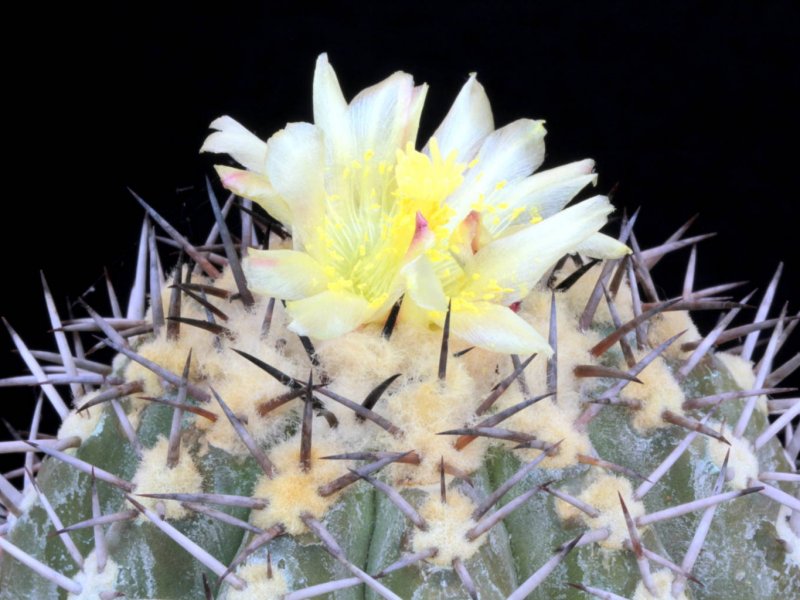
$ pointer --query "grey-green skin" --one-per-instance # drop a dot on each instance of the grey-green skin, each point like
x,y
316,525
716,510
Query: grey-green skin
x,y
742,556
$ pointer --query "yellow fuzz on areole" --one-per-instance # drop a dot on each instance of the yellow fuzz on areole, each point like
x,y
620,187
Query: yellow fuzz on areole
x,y
740,369
81,424
667,324
259,585
603,494
742,462
92,582
154,477
659,391
743,375
448,526
293,491
662,580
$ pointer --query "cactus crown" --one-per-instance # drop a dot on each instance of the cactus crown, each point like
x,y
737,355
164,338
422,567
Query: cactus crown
x,y
432,353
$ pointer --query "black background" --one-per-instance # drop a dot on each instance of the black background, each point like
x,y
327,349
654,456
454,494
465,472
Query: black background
x,y
689,107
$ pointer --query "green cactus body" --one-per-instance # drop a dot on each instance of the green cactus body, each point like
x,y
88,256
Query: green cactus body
x,y
408,455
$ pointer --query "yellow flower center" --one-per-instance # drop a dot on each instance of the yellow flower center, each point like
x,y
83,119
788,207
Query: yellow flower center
x,y
370,221
424,182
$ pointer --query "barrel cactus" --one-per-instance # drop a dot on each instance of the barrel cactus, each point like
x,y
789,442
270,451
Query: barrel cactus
x,y
413,374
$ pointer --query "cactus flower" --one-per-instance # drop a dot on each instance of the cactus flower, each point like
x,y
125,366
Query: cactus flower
x,y
460,221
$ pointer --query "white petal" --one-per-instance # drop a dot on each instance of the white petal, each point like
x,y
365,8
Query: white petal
x,y
284,274
519,260
537,197
236,140
467,123
256,188
328,314
508,154
415,113
559,175
382,116
423,286
600,245
497,328
330,113
296,169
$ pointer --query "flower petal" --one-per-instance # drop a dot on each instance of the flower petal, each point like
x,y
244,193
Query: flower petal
x,y
330,113
517,261
296,168
600,245
415,113
537,197
423,286
496,328
384,115
257,188
467,123
508,154
235,139
284,274
560,184
328,314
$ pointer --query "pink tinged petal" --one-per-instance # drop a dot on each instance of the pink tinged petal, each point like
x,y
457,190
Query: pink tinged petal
x,y
600,245
284,274
422,240
257,188
328,314
517,261
423,286
382,116
506,155
539,196
234,139
296,167
469,227
495,328
469,236
331,112
467,123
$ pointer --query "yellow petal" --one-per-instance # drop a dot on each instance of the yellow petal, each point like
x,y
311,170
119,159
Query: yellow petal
x,y
296,168
467,123
423,286
328,314
495,328
236,140
384,115
506,155
517,261
600,245
256,188
537,197
284,274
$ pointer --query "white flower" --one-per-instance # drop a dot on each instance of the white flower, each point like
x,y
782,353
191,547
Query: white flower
x,y
461,221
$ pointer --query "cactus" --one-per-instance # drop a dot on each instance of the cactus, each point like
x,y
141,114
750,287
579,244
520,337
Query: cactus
x,y
435,382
